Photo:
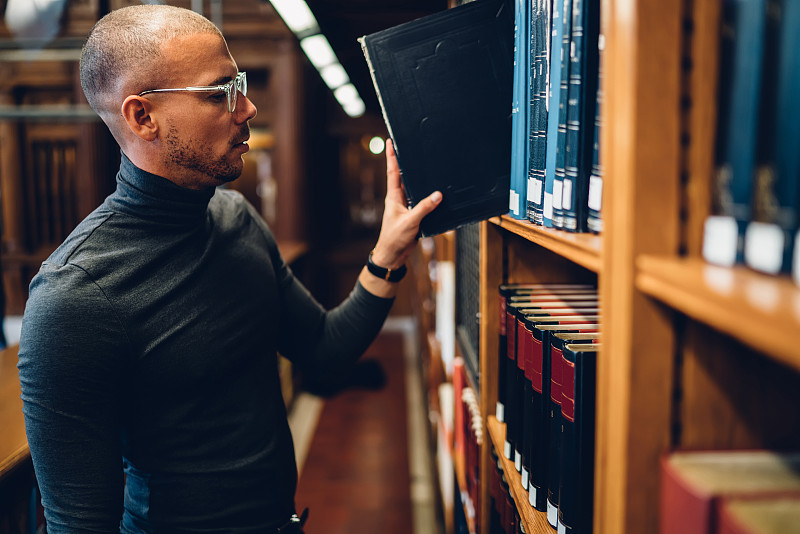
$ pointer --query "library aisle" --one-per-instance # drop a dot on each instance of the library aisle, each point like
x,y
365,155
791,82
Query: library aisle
x,y
362,448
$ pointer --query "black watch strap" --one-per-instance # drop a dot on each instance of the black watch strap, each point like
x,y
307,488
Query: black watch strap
x,y
390,275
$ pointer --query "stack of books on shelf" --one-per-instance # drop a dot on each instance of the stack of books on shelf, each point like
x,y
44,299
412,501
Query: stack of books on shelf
x,y
468,429
548,343
730,492
505,518
496,103
556,172
756,192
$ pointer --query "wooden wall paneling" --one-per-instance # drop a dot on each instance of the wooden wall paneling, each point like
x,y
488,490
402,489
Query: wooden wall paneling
x,y
491,276
734,397
288,166
641,155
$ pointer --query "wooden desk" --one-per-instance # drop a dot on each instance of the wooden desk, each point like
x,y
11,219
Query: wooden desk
x,y
13,443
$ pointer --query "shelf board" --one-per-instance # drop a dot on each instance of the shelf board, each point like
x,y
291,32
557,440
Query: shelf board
x,y
760,310
585,249
535,521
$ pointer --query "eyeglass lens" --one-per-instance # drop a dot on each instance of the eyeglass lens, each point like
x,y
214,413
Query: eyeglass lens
x,y
238,84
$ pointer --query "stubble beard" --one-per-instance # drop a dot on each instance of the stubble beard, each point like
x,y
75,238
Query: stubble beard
x,y
197,157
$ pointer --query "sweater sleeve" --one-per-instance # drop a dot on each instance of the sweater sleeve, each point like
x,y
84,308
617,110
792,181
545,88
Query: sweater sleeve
x,y
316,339
70,358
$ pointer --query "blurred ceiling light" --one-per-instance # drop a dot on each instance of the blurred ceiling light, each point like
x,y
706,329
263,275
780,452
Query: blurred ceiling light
x,y
334,76
318,50
299,18
296,14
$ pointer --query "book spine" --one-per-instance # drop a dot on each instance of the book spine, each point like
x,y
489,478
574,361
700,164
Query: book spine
x,y
575,507
769,238
502,388
544,74
554,450
580,113
741,50
534,186
594,219
553,99
518,192
561,142
540,421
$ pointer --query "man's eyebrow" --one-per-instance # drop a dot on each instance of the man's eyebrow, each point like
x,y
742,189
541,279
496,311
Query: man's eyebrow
x,y
222,80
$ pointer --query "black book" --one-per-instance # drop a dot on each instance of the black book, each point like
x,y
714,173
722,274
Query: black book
x,y
575,499
581,100
444,84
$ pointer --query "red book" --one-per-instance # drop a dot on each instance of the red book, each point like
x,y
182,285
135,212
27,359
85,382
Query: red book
x,y
694,482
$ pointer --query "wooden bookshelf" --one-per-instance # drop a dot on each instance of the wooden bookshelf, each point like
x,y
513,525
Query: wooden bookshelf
x,y
582,249
760,310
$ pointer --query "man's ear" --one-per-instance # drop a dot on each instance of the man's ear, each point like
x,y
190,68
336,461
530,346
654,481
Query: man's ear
x,y
136,111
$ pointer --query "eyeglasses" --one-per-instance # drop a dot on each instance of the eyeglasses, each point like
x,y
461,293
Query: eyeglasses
x,y
239,83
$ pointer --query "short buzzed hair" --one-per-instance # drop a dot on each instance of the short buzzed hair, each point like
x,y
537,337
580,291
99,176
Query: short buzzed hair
x,y
127,42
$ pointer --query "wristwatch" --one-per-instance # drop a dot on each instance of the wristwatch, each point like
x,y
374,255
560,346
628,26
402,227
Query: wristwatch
x,y
390,275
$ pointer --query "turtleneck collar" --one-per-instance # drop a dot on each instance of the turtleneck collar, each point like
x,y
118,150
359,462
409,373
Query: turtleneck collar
x,y
152,197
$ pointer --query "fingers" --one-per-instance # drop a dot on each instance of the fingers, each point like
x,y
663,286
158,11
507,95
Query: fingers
x,y
425,206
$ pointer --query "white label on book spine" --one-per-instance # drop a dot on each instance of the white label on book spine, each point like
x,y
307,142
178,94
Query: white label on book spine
x,y
557,189
566,198
500,412
517,461
561,528
513,202
524,478
720,240
595,193
534,191
552,514
796,259
507,450
532,494
763,247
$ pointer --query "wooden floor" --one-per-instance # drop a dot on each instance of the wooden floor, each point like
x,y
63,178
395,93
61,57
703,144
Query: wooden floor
x,y
355,479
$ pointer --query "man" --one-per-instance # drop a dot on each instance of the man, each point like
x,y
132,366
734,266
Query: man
x,y
150,335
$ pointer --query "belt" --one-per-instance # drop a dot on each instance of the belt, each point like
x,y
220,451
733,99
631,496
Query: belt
x,y
294,525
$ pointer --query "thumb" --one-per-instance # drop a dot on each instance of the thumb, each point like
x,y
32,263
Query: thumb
x,y
426,205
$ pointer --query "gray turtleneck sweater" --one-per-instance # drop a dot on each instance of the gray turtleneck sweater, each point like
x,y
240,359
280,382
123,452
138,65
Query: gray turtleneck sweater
x,y
149,348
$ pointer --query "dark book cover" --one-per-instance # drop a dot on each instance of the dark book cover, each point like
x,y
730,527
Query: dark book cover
x,y
769,238
594,219
578,400
561,130
444,84
581,100
739,86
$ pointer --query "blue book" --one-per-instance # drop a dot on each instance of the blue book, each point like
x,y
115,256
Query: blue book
x,y
581,100
538,110
561,137
741,46
553,99
769,238
519,145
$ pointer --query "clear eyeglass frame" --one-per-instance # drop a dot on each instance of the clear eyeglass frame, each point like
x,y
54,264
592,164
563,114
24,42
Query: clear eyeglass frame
x,y
239,83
